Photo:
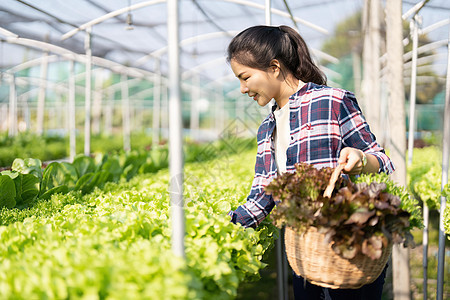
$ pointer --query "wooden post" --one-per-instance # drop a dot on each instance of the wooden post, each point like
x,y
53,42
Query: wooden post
x,y
371,65
394,37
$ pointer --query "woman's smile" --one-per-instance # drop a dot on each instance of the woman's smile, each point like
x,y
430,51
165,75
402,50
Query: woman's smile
x,y
264,85
257,84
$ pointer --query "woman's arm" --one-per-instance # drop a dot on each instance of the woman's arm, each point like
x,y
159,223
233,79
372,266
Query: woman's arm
x,y
356,135
259,204
357,162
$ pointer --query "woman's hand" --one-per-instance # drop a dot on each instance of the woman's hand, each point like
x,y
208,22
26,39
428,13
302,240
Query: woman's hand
x,y
356,161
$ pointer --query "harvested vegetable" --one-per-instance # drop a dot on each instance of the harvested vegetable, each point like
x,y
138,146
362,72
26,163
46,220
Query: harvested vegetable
x,y
358,217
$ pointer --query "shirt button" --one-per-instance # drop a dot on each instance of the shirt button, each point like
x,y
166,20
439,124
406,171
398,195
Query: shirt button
x,y
292,138
289,160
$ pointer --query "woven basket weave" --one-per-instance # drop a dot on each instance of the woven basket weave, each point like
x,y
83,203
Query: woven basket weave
x,y
315,260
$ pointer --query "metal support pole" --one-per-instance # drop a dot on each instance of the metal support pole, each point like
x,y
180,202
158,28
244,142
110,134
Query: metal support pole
x,y
175,131
125,113
286,267
156,103
87,124
425,238
41,95
444,180
281,266
97,100
164,110
3,117
220,111
412,98
267,11
72,111
195,96
26,112
12,106
109,112
414,24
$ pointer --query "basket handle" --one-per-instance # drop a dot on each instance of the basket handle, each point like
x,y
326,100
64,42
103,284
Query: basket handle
x,y
336,173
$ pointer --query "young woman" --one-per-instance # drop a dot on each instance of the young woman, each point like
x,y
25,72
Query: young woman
x,y
310,122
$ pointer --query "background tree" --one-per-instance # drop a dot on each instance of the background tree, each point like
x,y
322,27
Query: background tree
x,y
348,39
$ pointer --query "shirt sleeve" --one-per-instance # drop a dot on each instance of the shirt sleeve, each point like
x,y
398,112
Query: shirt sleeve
x,y
356,132
259,204
255,210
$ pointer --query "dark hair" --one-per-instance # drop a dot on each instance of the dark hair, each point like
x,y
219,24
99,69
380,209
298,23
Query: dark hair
x,y
257,46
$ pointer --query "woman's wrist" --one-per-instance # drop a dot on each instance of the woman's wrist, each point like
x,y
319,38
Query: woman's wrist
x,y
363,159
370,163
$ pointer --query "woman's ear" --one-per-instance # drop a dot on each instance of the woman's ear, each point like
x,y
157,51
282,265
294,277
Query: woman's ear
x,y
275,67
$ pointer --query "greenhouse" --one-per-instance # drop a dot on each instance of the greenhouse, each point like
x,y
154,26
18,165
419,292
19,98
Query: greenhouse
x,y
140,149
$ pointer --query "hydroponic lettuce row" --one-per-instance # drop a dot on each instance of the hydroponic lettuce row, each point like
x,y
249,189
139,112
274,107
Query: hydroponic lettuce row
x,y
358,217
28,181
114,243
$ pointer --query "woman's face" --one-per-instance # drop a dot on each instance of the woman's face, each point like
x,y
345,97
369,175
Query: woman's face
x,y
260,85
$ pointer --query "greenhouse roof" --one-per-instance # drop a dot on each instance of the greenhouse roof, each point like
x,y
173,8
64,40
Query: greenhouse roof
x,y
136,34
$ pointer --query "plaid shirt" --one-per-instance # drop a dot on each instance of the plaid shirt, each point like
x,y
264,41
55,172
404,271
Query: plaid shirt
x,y
323,120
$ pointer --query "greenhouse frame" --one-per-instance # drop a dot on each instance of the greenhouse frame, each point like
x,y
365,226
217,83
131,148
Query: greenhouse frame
x,y
78,70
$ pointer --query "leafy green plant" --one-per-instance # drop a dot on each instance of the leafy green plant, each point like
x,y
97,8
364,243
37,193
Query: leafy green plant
x,y
28,166
87,173
30,145
56,178
89,181
115,242
446,194
408,202
83,165
424,180
7,191
424,176
26,188
111,164
133,162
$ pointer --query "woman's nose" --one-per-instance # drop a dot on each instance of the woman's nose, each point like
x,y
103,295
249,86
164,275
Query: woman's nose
x,y
244,89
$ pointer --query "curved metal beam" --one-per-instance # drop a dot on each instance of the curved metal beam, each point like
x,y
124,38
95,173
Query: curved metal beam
x,y
109,16
69,55
202,66
32,63
7,33
280,13
207,36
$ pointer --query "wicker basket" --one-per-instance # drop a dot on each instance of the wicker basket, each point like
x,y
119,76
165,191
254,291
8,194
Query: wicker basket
x,y
314,260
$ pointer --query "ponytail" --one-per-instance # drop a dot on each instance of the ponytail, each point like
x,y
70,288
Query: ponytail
x,y
300,63
257,46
